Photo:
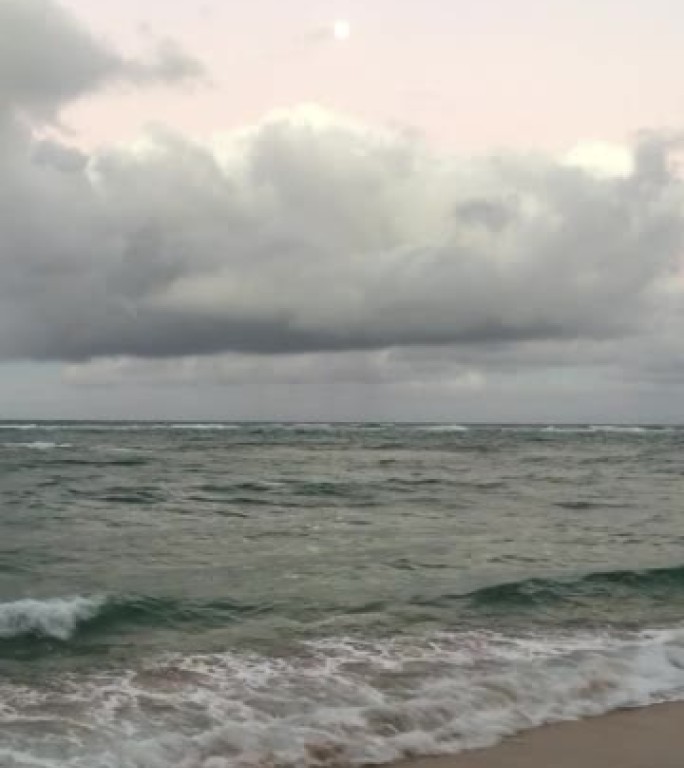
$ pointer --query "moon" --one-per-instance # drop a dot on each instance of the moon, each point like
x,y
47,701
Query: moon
x,y
341,30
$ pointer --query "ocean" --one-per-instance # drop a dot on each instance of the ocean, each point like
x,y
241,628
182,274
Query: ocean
x,y
281,595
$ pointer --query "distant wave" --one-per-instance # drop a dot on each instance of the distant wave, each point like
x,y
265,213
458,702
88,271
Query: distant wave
x,y
26,427
200,427
117,426
295,427
443,428
608,429
597,584
57,618
169,426
579,505
625,430
38,445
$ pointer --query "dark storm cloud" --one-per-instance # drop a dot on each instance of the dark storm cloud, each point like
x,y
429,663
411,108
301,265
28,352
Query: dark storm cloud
x,y
304,233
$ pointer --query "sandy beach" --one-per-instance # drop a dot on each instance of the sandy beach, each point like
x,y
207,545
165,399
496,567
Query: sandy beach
x,y
652,737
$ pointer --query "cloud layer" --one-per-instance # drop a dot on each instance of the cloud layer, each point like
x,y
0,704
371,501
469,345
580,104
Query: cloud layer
x,y
309,233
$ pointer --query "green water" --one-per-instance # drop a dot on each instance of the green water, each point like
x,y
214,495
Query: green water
x,y
124,544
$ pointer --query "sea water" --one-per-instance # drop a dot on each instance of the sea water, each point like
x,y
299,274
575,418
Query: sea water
x,y
237,595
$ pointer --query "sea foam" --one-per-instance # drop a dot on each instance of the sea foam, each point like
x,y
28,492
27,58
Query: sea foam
x,y
340,702
57,618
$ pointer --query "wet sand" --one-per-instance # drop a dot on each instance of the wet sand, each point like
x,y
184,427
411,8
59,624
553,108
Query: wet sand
x,y
652,737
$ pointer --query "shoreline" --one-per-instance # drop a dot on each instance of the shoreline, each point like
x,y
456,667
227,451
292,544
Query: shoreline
x,y
646,737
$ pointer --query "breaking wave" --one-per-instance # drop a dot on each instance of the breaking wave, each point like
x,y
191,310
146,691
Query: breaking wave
x,y
57,618
583,597
66,618
339,702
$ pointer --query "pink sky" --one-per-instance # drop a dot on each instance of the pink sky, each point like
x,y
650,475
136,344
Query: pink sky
x,y
469,75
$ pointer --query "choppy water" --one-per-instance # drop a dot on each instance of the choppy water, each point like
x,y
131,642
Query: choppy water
x,y
219,596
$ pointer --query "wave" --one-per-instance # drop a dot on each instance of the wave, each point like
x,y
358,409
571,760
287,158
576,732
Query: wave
x,y
608,584
117,426
56,618
608,429
63,618
445,428
304,427
578,505
629,430
66,619
200,427
337,702
38,445
168,427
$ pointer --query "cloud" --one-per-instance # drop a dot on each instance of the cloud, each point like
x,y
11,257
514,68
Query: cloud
x,y
47,59
310,246
168,64
308,232
589,381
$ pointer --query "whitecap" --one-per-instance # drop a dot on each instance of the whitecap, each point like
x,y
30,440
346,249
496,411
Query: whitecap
x,y
57,618
38,445
444,428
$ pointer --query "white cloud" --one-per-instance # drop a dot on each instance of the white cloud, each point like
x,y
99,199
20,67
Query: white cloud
x,y
601,158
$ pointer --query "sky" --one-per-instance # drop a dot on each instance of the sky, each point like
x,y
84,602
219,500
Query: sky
x,y
463,212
